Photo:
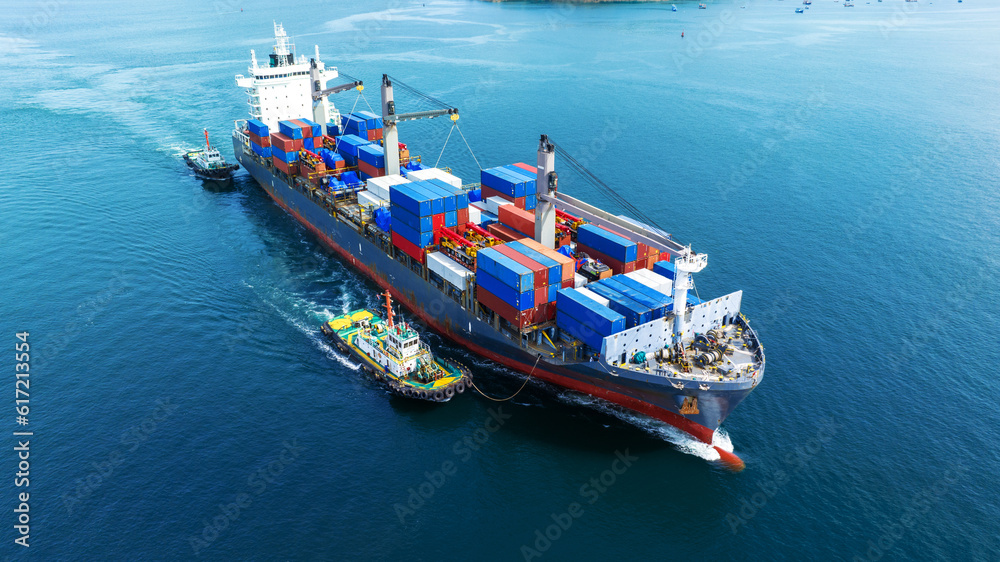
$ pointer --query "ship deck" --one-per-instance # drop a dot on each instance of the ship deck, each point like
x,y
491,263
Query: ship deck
x,y
740,365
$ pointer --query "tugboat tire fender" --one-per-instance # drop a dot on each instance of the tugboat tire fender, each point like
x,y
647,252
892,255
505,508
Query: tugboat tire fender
x,y
438,395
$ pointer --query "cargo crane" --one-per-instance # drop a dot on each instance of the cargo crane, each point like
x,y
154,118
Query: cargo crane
x,y
390,118
321,106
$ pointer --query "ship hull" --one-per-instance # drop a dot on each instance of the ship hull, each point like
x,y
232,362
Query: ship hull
x,y
650,394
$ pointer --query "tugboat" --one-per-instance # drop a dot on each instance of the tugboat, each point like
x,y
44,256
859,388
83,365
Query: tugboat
x,y
393,353
209,164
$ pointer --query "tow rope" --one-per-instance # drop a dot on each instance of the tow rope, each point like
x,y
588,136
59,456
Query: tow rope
x,y
518,390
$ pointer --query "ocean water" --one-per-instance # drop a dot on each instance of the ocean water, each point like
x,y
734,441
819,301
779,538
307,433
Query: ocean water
x,y
839,166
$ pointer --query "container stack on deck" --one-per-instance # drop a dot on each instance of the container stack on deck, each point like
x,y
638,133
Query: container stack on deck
x,y
348,146
371,161
613,250
514,183
420,209
505,286
260,139
285,152
585,318
364,124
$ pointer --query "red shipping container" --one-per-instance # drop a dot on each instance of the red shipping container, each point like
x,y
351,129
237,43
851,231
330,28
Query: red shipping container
x,y
568,263
541,273
259,141
290,169
503,233
545,313
642,251
437,222
463,216
567,284
307,130
504,310
370,170
375,134
284,143
409,248
519,202
532,170
518,219
490,192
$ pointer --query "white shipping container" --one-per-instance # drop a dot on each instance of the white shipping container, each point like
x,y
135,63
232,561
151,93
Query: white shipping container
x,y
588,293
656,281
435,173
475,216
493,204
449,270
579,281
380,186
369,200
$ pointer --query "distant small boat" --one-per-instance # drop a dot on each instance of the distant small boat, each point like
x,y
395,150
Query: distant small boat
x,y
807,2
673,8
209,164
800,10
702,7
851,4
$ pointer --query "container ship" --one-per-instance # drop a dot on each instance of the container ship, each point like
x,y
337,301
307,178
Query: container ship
x,y
509,266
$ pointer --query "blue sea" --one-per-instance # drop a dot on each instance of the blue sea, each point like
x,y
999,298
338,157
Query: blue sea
x,y
839,166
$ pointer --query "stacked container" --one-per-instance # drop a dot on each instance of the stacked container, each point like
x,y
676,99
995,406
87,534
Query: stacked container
x,y
586,319
658,303
260,140
617,252
512,183
518,220
364,124
371,161
412,209
505,286
348,146
285,152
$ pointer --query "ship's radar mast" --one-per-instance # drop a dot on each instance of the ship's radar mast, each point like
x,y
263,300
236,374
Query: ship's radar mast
x,y
685,264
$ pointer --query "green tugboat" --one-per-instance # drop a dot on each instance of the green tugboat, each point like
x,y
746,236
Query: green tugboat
x,y
394,354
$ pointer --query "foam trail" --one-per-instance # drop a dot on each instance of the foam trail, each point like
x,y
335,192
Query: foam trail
x,y
680,440
314,335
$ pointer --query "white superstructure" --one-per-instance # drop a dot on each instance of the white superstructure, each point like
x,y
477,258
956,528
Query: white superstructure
x,y
281,89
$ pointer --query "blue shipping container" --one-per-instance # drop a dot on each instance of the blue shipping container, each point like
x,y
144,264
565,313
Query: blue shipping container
x,y
422,239
608,243
371,120
656,304
290,130
529,179
634,313
500,180
414,201
372,154
353,125
451,219
314,126
600,318
437,202
553,293
443,190
332,129
262,151
505,269
420,224
665,268
257,127
286,157
555,269
530,202
579,330
506,293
